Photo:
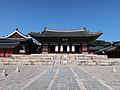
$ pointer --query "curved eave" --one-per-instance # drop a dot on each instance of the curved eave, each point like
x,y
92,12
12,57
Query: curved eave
x,y
32,34
9,45
96,34
40,38
35,34
13,40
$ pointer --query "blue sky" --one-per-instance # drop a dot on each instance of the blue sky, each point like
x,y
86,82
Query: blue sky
x,y
34,15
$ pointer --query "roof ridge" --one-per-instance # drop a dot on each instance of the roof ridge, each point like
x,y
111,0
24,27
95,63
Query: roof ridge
x,y
74,30
17,31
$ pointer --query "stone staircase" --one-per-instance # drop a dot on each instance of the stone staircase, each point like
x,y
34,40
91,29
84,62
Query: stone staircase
x,y
59,59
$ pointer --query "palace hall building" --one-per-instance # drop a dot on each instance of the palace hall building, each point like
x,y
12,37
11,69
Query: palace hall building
x,y
16,43
64,41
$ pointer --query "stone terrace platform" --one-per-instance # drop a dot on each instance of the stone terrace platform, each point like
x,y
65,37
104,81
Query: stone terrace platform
x,y
60,77
57,59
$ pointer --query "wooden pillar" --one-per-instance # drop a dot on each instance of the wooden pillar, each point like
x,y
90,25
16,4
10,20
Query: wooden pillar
x,y
41,48
58,48
80,48
70,48
49,48
4,52
87,47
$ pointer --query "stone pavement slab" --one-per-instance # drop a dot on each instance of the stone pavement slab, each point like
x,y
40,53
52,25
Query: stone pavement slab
x,y
89,81
65,80
62,77
16,80
105,74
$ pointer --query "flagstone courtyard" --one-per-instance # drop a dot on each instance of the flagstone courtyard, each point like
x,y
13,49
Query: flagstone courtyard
x,y
60,77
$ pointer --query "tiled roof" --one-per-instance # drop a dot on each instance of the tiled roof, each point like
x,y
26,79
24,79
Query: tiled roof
x,y
11,43
8,45
114,47
65,33
104,49
18,32
111,49
95,48
9,40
